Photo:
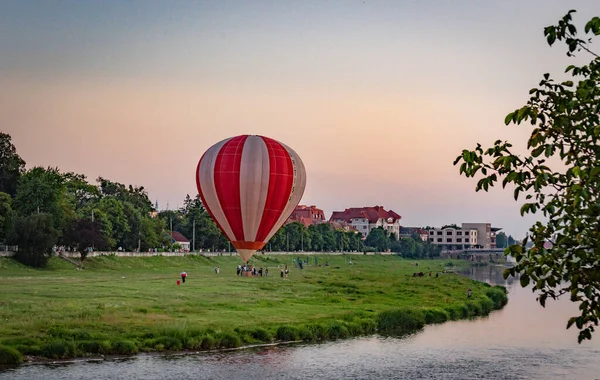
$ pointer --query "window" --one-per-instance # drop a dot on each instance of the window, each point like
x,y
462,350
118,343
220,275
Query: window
x,y
449,232
439,233
459,240
430,232
431,239
459,233
439,240
449,240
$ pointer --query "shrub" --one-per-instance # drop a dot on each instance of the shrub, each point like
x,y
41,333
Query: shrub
x,y
208,342
400,321
287,333
498,296
474,309
486,305
58,349
306,334
230,340
34,350
436,316
354,328
368,325
169,343
261,334
194,343
10,356
336,330
124,347
318,331
94,346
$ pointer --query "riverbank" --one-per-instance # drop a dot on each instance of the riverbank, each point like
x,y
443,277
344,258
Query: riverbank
x,y
121,306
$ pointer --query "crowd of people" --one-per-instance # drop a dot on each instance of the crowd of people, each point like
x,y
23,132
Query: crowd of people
x,y
246,271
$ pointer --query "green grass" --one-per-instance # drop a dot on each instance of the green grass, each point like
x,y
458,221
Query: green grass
x,y
125,305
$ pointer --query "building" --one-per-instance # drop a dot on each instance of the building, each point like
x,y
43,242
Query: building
x,y
307,215
406,232
469,235
485,232
364,219
178,238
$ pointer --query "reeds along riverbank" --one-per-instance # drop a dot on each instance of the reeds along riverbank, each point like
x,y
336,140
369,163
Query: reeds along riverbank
x,y
123,306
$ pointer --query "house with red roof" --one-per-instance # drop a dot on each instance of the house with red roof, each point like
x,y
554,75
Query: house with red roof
x,y
307,215
364,219
178,238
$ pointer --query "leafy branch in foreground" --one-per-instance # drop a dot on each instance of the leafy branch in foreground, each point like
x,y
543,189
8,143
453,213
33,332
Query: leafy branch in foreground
x,y
565,118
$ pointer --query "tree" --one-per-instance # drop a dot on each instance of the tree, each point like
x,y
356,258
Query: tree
x,y
566,127
42,190
11,165
501,240
36,236
83,234
378,239
5,214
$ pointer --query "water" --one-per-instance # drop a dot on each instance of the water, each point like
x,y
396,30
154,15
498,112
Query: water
x,y
522,341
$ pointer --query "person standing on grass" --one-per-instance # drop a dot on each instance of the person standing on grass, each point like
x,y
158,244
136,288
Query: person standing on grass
x,y
183,276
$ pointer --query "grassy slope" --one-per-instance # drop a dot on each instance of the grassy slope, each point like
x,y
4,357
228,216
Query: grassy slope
x,y
136,298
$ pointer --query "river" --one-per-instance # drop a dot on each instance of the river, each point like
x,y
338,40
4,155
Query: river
x,y
521,341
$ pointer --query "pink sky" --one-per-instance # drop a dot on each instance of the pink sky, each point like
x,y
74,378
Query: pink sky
x,y
377,111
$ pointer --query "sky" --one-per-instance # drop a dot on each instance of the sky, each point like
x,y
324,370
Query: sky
x,y
377,97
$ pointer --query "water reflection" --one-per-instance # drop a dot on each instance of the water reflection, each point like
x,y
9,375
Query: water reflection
x,y
521,341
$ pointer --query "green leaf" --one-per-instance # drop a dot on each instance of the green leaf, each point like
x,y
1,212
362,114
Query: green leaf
x,y
524,280
509,118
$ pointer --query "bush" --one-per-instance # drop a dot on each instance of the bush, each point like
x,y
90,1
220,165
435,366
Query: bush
x,y
354,328
10,356
209,342
400,321
229,340
336,330
368,325
169,343
498,296
58,349
436,316
318,331
34,350
474,309
486,305
287,333
124,347
94,346
261,335
306,334
194,343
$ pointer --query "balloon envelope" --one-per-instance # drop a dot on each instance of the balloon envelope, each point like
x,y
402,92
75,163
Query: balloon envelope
x,y
250,185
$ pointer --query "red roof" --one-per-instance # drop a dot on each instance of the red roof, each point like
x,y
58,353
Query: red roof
x,y
373,214
178,237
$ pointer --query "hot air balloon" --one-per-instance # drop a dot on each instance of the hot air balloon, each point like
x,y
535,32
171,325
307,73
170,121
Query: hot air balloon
x,y
250,185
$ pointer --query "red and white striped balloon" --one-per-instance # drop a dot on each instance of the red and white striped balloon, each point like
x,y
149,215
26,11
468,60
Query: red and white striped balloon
x,y
250,185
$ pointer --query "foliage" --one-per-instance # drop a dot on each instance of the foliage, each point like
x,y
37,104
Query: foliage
x,y
11,165
378,239
401,321
559,177
42,191
84,234
5,214
36,236
10,356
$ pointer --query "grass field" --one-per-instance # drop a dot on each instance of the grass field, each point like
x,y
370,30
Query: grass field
x,y
124,305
